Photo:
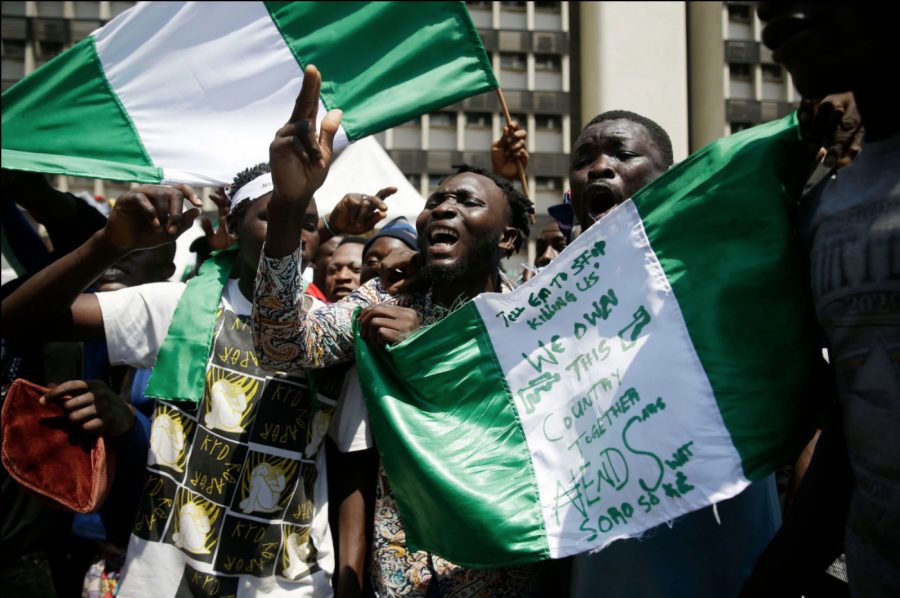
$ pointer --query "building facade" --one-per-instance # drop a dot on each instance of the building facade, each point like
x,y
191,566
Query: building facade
x,y
697,68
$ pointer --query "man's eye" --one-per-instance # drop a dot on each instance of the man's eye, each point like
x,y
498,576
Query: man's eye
x,y
311,226
372,263
626,155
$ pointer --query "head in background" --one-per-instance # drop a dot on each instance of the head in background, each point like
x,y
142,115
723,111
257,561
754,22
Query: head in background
x,y
616,154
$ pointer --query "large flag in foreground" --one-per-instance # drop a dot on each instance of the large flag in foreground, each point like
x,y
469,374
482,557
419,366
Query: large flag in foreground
x,y
655,367
193,92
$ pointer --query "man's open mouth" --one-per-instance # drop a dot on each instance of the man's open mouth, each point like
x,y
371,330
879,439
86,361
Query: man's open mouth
x,y
442,238
600,200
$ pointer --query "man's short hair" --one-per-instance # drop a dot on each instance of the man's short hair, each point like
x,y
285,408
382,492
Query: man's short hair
x,y
657,133
520,206
242,178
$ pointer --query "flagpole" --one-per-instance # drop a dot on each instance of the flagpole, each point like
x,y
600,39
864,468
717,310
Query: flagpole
x,y
519,168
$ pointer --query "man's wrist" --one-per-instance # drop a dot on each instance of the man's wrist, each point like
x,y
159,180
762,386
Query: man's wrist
x,y
101,243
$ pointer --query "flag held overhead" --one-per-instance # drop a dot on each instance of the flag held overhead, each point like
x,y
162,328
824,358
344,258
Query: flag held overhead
x,y
191,91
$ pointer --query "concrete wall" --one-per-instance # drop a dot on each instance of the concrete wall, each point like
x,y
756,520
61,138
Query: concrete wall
x,y
634,57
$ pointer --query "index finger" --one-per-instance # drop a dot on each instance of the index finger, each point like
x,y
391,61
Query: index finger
x,y
188,192
386,192
307,104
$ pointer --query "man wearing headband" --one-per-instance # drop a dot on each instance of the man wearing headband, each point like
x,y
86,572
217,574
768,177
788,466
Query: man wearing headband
x,y
235,496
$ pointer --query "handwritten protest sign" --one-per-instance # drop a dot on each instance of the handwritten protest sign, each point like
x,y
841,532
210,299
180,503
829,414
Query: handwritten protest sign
x,y
624,433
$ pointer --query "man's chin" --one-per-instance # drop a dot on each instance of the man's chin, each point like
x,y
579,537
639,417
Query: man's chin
x,y
444,270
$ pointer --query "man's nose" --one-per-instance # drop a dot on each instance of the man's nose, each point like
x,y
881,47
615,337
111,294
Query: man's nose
x,y
445,209
602,168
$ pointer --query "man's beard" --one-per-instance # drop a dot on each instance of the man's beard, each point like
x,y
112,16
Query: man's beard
x,y
484,251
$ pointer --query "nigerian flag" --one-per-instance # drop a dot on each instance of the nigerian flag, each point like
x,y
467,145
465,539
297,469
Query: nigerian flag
x,y
193,92
657,366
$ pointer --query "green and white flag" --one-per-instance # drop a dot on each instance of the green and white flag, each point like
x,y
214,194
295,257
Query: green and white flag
x,y
193,92
657,366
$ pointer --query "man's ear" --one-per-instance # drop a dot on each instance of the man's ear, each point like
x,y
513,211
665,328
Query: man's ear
x,y
508,239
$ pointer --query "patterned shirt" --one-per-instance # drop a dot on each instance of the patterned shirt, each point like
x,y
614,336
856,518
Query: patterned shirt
x,y
291,330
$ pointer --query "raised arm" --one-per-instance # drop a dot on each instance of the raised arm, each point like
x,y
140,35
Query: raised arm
x,y
51,304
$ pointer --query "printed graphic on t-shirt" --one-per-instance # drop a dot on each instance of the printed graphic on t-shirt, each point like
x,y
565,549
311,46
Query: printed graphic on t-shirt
x,y
195,525
155,507
228,401
298,555
300,510
170,437
231,484
266,485
215,467
230,348
197,584
248,547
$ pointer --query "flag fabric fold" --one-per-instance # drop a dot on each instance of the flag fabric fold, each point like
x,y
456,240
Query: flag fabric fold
x,y
193,92
657,366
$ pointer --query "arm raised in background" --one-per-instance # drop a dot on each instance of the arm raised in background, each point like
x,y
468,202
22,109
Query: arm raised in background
x,y
51,304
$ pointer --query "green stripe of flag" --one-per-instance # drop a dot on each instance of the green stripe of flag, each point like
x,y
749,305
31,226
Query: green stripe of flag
x,y
100,142
457,460
407,47
753,313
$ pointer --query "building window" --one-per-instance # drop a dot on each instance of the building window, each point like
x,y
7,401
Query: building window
x,y
547,16
434,181
741,13
87,10
513,62
13,9
482,14
513,69
740,81
512,15
13,48
50,9
479,131
740,72
773,73
442,120
548,122
408,135
479,119
416,181
740,21
547,72
547,183
442,135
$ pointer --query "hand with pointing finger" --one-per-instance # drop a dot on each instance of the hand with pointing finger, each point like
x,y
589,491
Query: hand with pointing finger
x,y
299,158
358,213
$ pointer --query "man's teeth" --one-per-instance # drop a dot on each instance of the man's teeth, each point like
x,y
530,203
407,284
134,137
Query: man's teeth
x,y
443,235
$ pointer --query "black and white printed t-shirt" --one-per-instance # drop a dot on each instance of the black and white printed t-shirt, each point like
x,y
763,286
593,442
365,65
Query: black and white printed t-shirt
x,y
235,501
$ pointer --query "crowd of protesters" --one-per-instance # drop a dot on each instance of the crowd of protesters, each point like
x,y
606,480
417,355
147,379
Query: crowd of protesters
x,y
267,466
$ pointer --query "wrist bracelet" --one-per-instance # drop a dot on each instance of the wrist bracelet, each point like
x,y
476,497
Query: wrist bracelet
x,y
328,226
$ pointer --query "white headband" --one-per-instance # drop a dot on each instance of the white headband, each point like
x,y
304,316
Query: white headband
x,y
252,190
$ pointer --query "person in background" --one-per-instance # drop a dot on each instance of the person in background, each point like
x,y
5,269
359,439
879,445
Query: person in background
x,y
344,269
851,226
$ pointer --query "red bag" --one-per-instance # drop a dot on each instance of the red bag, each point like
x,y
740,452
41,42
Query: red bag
x,y
50,456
